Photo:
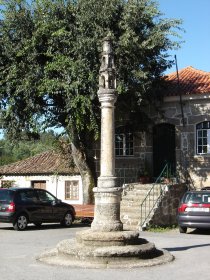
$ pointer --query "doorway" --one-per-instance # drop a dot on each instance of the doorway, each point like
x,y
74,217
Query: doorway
x,y
164,148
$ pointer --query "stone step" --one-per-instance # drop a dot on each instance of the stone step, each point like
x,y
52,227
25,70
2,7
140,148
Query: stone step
x,y
126,216
137,201
141,190
137,185
133,222
140,195
134,196
145,187
135,208
136,192
130,203
125,208
130,227
130,206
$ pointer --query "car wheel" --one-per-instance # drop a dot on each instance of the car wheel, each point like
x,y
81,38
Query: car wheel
x,y
182,229
67,220
38,224
21,222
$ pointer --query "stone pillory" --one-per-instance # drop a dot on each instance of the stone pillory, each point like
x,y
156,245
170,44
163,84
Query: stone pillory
x,y
106,244
107,194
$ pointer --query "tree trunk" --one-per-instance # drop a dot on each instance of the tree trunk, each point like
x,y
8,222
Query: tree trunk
x,y
82,163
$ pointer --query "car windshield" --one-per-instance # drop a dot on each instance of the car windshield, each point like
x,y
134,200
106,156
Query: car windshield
x,y
197,198
5,195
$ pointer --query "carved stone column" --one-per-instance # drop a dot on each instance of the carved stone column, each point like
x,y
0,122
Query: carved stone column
x,y
106,245
107,194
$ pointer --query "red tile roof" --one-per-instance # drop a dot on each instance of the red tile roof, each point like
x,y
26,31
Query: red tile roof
x,y
45,163
191,81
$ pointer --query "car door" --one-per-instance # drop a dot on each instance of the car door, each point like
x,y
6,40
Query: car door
x,y
46,205
27,201
59,210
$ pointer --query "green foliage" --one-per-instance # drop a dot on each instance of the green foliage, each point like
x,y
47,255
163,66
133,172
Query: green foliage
x,y
50,58
162,229
7,184
18,150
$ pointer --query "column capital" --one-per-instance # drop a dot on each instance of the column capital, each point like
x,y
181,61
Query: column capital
x,y
107,95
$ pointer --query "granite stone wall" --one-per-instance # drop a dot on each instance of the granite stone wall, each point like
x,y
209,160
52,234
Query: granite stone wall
x,y
196,168
166,213
195,110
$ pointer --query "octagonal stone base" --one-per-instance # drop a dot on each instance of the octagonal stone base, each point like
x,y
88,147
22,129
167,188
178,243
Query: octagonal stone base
x,y
122,249
107,206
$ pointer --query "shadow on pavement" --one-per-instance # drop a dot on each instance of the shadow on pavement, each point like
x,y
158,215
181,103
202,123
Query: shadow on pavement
x,y
175,249
201,231
194,232
32,227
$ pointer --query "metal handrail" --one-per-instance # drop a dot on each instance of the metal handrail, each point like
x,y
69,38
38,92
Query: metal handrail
x,y
164,171
150,201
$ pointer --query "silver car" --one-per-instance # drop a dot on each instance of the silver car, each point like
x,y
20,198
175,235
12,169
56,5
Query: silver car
x,y
194,210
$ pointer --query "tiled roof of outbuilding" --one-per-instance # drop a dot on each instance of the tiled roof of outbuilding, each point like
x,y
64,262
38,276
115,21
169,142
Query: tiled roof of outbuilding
x,y
45,163
191,81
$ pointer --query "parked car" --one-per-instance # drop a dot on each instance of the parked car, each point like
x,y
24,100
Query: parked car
x,y
194,210
21,206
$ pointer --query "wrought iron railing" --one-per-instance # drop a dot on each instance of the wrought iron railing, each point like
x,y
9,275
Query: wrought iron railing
x,y
153,197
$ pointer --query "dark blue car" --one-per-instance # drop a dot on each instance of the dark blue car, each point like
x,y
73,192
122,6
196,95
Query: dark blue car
x,y
21,206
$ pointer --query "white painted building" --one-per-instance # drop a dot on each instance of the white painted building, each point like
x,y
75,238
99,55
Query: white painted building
x,y
47,170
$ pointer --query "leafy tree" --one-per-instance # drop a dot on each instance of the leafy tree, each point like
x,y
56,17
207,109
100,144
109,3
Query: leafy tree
x,y
50,59
12,151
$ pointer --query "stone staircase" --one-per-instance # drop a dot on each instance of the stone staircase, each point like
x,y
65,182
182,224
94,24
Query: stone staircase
x,y
130,207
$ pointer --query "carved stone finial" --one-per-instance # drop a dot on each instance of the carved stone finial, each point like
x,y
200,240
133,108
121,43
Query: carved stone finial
x,y
107,44
107,76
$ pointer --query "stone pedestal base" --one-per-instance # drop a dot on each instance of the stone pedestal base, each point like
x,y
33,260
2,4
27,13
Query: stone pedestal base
x,y
107,206
123,249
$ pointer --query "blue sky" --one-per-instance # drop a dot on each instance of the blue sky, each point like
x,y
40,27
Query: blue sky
x,y
195,14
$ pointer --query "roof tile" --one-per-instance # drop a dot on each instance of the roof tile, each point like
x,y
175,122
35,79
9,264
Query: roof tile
x,y
191,81
48,162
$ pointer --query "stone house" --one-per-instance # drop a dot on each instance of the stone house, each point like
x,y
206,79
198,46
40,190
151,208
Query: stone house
x,y
178,134
186,109
48,170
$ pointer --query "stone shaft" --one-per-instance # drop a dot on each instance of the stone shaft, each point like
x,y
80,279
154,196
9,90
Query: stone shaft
x,y
107,165
107,194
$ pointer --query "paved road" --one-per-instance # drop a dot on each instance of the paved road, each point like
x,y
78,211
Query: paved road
x,y
19,249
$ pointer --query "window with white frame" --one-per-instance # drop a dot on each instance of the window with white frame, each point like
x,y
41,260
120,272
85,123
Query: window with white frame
x,y
124,144
203,138
72,190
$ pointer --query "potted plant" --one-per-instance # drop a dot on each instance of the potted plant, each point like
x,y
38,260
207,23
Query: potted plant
x,y
167,177
144,177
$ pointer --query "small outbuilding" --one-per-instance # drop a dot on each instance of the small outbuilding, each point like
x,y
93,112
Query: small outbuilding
x,y
48,170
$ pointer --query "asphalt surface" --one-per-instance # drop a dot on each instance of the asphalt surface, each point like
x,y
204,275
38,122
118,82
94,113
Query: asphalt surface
x,y
18,251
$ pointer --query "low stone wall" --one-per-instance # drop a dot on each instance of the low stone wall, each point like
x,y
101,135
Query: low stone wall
x,y
165,214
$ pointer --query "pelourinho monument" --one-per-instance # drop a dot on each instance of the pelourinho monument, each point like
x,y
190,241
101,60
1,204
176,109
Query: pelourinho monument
x,y
106,244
